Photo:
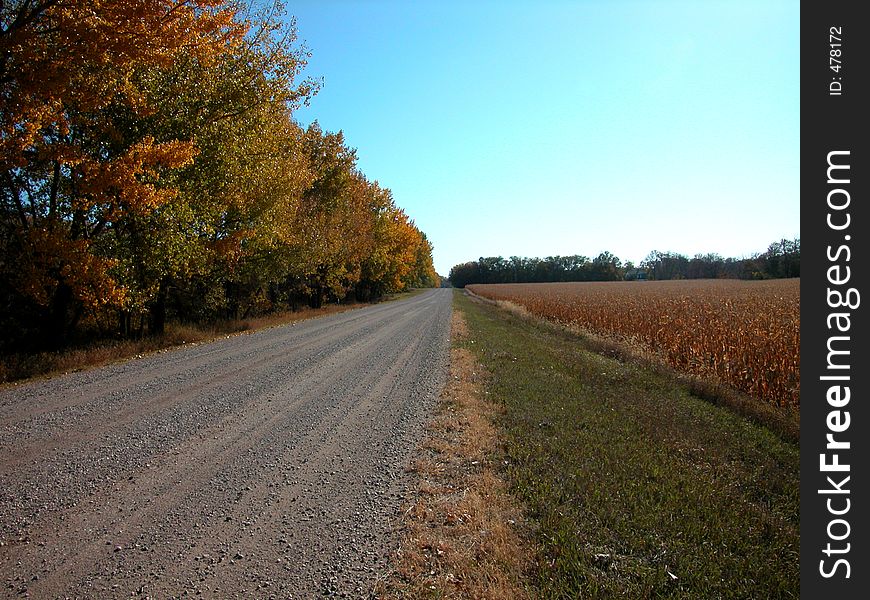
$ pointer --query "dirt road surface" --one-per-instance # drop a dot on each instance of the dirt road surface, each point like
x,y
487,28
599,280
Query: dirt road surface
x,y
261,465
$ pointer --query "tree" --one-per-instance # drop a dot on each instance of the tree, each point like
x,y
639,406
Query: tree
x,y
465,274
67,173
152,167
783,259
423,273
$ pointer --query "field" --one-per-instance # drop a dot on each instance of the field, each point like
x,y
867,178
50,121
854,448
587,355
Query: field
x,y
743,333
633,486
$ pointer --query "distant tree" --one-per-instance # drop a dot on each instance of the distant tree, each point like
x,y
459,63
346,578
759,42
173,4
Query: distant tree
x,y
705,266
606,267
465,274
782,259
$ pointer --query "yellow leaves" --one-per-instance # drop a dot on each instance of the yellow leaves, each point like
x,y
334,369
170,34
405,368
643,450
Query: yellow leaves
x,y
155,133
73,58
230,248
63,153
172,155
397,242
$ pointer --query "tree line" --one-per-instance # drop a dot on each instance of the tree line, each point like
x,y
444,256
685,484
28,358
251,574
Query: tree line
x,y
151,168
780,260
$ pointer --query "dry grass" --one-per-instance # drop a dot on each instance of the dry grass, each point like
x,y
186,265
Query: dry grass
x,y
743,333
463,535
17,367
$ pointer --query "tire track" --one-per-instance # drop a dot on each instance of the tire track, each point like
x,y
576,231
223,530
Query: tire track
x,y
276,475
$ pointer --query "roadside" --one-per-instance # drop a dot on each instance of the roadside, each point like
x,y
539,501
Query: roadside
x,y
629,483
21,367
462,534
783,420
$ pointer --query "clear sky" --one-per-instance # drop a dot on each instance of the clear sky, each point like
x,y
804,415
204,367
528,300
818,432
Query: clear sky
x,y
546,128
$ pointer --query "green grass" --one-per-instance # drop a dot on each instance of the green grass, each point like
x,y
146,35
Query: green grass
x,y
638,489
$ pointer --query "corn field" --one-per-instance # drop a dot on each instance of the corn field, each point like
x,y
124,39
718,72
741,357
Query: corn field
x,y
743,333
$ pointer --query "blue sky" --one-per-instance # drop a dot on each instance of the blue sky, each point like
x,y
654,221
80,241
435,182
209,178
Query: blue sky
x,y
545,128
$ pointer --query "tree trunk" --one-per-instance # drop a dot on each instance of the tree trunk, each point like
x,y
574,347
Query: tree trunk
x,y
157,311
58,322
124,323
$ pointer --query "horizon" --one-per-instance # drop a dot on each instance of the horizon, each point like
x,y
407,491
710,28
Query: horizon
x,y
635,264
519,129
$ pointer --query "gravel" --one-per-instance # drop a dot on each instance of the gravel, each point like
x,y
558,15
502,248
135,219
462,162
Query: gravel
x,y
263,465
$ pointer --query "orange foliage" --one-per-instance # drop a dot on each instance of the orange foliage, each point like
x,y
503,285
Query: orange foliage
x,y
127,182
148,148
69,172
50,259
84,52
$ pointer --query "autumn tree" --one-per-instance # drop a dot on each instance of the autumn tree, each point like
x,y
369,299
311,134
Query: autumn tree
x,y
423,273
395,245
237,199
151,167
331,220
67,172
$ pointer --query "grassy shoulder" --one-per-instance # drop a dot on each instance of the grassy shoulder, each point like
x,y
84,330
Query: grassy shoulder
x,y
636,487
462,533
19,367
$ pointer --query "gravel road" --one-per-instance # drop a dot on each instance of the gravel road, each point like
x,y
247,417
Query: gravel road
x,y
261,465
